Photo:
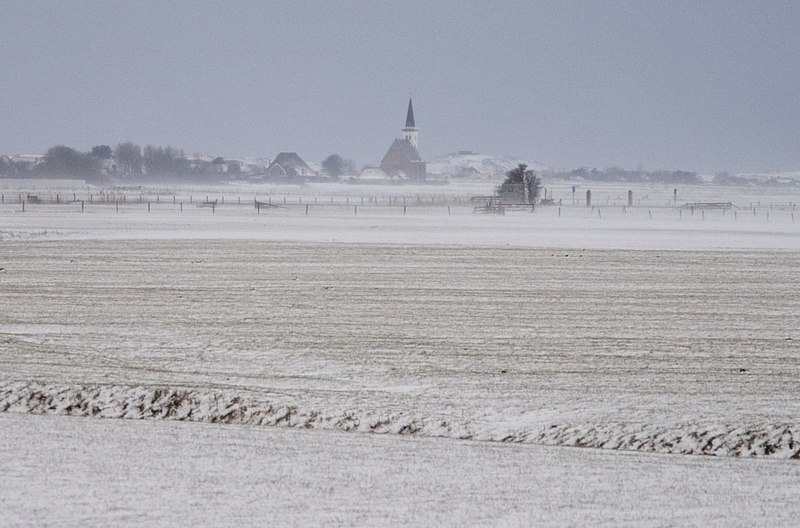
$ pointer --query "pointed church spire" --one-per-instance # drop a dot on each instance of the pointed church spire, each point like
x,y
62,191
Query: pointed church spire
x,y
410,115
410,131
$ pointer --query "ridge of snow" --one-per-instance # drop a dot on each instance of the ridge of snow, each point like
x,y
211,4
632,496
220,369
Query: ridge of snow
x,y
778,440
472,164
780,176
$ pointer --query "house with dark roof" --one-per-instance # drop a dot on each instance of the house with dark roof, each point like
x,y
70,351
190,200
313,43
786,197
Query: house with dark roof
x,y
402,161
289,166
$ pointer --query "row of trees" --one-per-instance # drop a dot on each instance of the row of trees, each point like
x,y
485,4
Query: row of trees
x,y
125,162
128,162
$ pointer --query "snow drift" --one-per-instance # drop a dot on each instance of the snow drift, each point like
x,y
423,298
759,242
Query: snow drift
x,y
182,404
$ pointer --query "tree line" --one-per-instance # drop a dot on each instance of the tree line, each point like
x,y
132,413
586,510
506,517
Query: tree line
x,y
125,162
131,163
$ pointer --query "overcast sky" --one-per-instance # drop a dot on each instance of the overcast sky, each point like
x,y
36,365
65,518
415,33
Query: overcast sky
x,y
705,86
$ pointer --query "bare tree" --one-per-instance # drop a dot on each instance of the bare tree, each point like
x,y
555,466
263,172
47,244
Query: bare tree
x,y
61,161
336,166
102,152
521,185
129,158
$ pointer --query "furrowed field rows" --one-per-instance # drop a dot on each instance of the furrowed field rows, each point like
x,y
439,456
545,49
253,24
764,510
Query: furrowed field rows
x,y
506,342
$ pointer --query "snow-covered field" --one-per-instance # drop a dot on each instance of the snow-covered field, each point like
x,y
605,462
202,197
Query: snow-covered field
x,y
431,215
648,330
154,473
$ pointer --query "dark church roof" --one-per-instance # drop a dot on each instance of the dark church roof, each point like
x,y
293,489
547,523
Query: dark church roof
x,y
401,151
402,158
410,115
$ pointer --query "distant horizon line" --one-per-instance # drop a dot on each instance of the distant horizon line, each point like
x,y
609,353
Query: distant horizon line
x,y
193,154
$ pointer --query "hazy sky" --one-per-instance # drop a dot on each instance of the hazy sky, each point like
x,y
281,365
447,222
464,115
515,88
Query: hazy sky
x,y
706,86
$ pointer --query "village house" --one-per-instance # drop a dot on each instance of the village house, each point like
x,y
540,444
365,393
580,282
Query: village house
x,y
289,166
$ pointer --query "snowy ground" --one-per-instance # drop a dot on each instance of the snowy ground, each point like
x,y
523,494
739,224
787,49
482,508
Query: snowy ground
x,y
546,346
412,215
647,330
151,473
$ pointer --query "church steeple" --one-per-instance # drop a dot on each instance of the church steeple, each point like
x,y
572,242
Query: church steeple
x,y
410,115
410,131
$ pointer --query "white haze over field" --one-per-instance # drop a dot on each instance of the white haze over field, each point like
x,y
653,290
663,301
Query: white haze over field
x,y
763,219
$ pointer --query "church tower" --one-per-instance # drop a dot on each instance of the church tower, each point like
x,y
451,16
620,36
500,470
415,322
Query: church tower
x,y
410,131
402,162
